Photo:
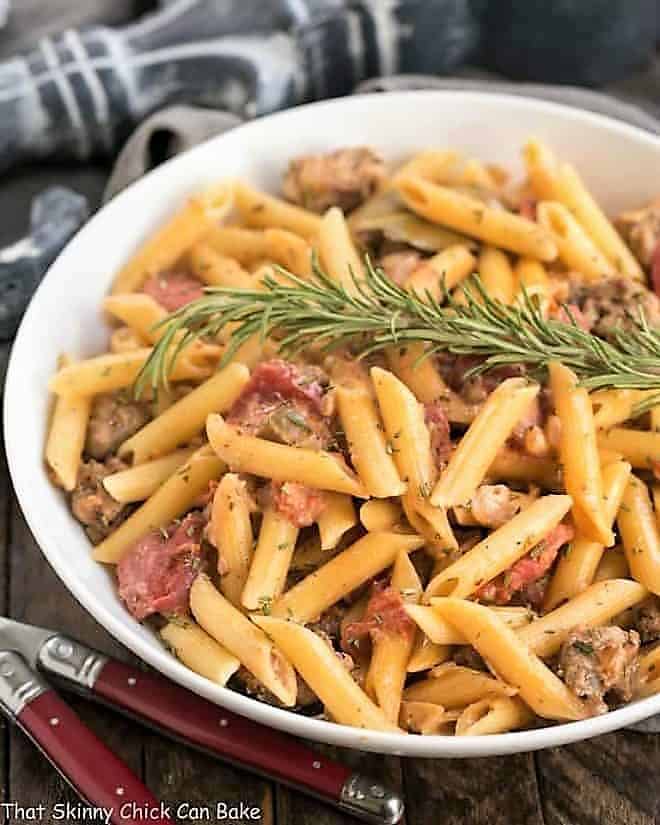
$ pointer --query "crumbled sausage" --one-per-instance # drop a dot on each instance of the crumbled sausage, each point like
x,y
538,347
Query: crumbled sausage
x,y
91,504
113,419
610,303
647,620
641,231
344,178
399,266
493,505
598,663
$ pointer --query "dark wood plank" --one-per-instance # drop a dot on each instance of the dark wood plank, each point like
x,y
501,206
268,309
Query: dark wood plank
x,y
181,776
37,596
611,780
496,791
294,808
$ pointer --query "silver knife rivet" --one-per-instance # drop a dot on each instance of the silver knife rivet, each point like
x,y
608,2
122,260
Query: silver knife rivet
x,y
119,791
6,669
224,722
54,721
132,681
378,791
65,649
316,765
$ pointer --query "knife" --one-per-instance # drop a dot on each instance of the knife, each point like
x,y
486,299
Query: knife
x,y
176,712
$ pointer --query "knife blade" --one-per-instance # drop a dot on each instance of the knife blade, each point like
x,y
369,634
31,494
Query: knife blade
x,y
186,717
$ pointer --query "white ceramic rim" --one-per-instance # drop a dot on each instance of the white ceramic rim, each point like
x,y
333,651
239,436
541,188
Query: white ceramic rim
x,y
299,725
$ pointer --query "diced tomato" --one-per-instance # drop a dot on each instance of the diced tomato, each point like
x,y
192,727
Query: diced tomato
x,y
527,207
300,504
385,614
284,403
528,569
156,575
438,425
173,290
569,313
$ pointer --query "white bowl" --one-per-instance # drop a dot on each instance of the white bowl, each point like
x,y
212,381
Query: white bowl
x,y
620,163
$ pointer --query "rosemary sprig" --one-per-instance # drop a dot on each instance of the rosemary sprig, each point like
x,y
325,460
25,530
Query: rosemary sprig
x,y
379,314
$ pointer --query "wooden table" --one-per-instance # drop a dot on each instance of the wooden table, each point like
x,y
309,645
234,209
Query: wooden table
x,y
612,780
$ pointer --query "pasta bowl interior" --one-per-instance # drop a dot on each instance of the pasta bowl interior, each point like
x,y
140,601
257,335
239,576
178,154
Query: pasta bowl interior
x,y
620,166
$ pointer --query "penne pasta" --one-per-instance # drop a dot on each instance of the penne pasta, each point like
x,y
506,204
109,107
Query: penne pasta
x,y
391,651
453,686
247,246
418,373
261,210
163,249
406,432
66,435
497,275
541,167
241,637
107,373
175,497
318,665
441,632
576,249
364,559
640,447
572,192
139,312
371,453
612,407
472,217
230,530
337,252
576,568
479,446
613,565
271,561
426,655
280,462
442,272
493,714
640,535
125,339
578,452
595,606
379,514
186,418
140,482
337,517
427,719
215,269
512,660
431,164
514,466
199,651
498,551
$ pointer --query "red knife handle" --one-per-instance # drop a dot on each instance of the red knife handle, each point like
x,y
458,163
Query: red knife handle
x,y
94,772
163,704
100,777
159,703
